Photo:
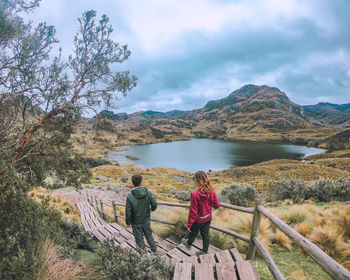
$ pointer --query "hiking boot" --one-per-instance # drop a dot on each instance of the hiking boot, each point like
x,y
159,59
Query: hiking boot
x,y
199,253
184,241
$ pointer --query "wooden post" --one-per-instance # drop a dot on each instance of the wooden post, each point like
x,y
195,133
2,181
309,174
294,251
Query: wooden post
x,y
115,211
103,214
87,196
255,230
96,204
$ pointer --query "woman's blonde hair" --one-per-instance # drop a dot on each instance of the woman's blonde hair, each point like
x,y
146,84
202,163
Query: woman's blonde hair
x,y
203,182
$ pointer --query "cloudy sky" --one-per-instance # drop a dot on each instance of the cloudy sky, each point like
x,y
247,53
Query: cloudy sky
x,y
187,52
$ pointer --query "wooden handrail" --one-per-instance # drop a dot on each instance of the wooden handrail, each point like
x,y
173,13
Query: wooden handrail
x,y
329,265
276,273
185,205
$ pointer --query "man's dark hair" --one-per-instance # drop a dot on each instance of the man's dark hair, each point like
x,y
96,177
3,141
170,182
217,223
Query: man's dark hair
x,y
136,180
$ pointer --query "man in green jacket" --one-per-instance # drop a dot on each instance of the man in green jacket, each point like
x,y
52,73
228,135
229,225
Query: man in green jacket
x,y
139,205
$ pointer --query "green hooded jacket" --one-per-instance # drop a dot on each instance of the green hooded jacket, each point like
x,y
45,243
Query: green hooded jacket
x,y
138,207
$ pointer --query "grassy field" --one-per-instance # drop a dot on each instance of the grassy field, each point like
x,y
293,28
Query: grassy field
x,y
327,224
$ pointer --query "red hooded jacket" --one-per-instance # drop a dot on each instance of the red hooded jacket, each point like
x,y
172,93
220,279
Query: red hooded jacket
x,y
201,205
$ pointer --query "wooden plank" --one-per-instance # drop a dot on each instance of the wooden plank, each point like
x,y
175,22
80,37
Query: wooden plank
x,y
246,271
208,259
98,235
112,230
199,245
120,239
117,226
91,224
166,245
126,234
104,232
236,255
178,253
224,256
183,271
203,271
226,271
192,259
191,252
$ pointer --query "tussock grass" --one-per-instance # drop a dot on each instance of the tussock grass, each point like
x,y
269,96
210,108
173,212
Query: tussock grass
x,y
60,202
54,267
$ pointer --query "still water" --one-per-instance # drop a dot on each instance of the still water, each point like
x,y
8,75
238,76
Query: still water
x,y
205,154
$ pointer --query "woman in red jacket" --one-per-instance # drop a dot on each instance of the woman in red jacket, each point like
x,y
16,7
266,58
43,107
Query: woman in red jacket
x,y
202,201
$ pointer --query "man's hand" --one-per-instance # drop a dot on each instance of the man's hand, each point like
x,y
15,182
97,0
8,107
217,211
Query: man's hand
x,y
189,229
129,226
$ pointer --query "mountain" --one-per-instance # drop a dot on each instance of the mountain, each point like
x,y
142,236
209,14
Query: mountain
x,y
254,112
329,114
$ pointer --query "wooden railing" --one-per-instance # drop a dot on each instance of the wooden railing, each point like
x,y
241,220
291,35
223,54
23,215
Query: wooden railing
x,y
329,265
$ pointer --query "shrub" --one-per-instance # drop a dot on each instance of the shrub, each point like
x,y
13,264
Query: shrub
x,y
323,190
289,189
184,195
180,229
342,190
119,263
238,194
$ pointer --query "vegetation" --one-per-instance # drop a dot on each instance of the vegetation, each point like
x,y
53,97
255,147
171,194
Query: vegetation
x,y
119,263
41,100
238,194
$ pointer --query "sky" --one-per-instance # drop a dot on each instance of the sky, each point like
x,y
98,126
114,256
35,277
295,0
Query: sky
x,y
188,52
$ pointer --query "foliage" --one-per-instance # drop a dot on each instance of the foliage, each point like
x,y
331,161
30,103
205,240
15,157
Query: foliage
x,y
42,98
25,225
323,190
119,263
238,194
184,195
289,189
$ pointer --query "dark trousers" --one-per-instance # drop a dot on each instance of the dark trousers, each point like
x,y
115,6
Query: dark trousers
x,y
141,230
204,229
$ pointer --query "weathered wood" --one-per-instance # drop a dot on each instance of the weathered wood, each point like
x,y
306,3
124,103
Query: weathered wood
x,y
101,205
208,259
203,271
183,271
192,259
224,256
198,244
226,271
236,255
190,252
175,251
238,208
276,273
254,230
245,272
230,232
115,211
334,269
166,245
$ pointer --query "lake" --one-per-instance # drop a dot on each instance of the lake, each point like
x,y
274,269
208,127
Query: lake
x,y
205,154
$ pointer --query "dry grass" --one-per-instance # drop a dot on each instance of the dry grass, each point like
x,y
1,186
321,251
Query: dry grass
x,y
327,238
60,202
54,267
265,175
304,229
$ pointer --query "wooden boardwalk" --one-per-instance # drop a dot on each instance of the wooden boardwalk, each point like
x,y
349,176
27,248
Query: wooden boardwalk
x,y
217,264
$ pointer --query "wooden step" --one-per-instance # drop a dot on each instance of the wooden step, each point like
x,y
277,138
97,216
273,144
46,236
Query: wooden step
x,y
226,271
246,270
203,271
183,271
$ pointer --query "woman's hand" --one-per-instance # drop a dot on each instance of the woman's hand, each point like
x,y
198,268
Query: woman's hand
x,y
189,229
